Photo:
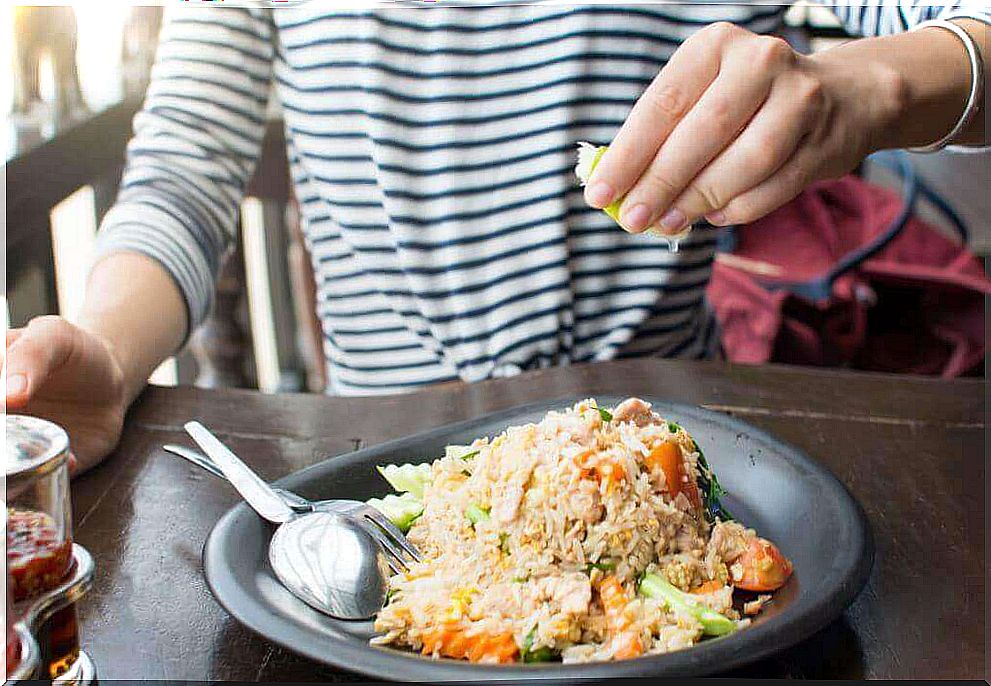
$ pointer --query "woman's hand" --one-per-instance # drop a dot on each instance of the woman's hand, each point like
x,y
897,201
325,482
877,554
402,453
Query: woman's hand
x,y
736,125
84,377
63,373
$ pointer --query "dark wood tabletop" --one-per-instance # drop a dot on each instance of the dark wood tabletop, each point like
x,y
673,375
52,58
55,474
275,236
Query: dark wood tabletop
x,y
911,450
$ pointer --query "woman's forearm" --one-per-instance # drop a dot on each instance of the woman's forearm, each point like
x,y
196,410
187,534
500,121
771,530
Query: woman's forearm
x,y
135,307
924,79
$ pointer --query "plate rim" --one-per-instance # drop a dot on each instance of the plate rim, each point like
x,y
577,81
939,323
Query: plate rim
x,y
753,644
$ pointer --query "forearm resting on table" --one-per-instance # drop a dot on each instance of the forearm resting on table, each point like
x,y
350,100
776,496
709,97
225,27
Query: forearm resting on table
x,y
926,79
137,309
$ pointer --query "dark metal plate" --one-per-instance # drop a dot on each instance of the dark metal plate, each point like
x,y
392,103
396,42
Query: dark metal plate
x,y
784,494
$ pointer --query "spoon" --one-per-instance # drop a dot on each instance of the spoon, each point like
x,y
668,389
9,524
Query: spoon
x,y
399,550
325,559
292,500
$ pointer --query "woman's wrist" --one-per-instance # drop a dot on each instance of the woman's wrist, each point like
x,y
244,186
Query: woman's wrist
x,y
970,126
913,86
139,325
126,374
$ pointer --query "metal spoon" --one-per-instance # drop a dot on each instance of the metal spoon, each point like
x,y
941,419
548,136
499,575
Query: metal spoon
x,y
292,500
323,558
399,550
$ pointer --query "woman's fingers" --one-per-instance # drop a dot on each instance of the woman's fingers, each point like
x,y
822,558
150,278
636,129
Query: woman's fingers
x,y
767,142
748,67
719,115
12,335
38,350
782,186
666,100
715,86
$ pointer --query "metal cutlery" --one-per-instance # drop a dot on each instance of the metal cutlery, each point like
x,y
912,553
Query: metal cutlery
x,y
334,555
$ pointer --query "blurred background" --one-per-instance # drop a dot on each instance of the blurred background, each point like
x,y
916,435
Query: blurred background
x,y
77,75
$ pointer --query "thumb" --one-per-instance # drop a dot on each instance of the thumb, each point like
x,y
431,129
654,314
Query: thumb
x,y
33,355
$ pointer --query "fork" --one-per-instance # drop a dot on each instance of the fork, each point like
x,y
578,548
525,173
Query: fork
x,y
399,551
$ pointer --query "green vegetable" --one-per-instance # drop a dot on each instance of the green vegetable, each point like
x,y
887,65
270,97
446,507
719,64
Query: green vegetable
x,y
604,565
407,478
521,579
402,510
476,514
708,485
541,654
504,543
711,489
605,414
713,623
464,452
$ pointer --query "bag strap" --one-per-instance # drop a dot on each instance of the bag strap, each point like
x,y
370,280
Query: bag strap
x,y
821,288
889,159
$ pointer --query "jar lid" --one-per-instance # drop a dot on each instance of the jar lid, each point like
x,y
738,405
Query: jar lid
x,y
34,446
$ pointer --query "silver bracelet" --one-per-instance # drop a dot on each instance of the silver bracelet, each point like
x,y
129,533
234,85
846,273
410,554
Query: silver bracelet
x,y
976,16
976,82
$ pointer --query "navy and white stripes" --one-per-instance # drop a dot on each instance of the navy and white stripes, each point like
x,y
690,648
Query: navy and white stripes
x,y
432,154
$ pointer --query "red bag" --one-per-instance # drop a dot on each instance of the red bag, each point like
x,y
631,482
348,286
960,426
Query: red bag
x,y
844,275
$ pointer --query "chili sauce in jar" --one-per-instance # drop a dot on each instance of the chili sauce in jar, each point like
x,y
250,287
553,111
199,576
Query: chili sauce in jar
x,y
39,531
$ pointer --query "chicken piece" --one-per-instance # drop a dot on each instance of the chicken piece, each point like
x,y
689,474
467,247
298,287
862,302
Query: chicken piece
x,y
574,427
635,410
571,592
507,507
588,502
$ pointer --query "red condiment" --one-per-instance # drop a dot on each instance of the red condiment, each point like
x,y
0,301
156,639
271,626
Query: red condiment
x,y
40,554
37,557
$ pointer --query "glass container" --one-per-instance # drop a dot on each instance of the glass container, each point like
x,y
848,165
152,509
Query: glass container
x,y
39,535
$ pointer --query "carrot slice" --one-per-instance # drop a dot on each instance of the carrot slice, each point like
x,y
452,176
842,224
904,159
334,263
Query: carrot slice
x,y
454,640
667,457
609,473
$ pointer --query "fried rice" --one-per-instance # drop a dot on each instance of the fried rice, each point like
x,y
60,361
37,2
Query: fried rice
x,y
536,544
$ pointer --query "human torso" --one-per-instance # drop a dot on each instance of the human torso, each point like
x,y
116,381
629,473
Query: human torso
x,y
433,154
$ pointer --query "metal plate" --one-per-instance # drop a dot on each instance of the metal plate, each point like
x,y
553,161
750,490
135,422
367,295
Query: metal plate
x,y
778,490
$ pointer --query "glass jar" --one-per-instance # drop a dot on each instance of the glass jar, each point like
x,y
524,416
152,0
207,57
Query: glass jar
x,y
21,658
39,533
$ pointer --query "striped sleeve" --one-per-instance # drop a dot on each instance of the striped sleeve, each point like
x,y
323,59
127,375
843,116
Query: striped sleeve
x,y
196,141
873,18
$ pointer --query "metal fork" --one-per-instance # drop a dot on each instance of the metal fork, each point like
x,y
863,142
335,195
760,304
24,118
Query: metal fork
x,y
397,547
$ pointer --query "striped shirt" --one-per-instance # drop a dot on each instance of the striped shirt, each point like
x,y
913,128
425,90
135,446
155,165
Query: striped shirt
x,y
432,154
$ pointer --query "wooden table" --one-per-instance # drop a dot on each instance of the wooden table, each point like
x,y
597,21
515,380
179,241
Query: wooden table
x,y
911,450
